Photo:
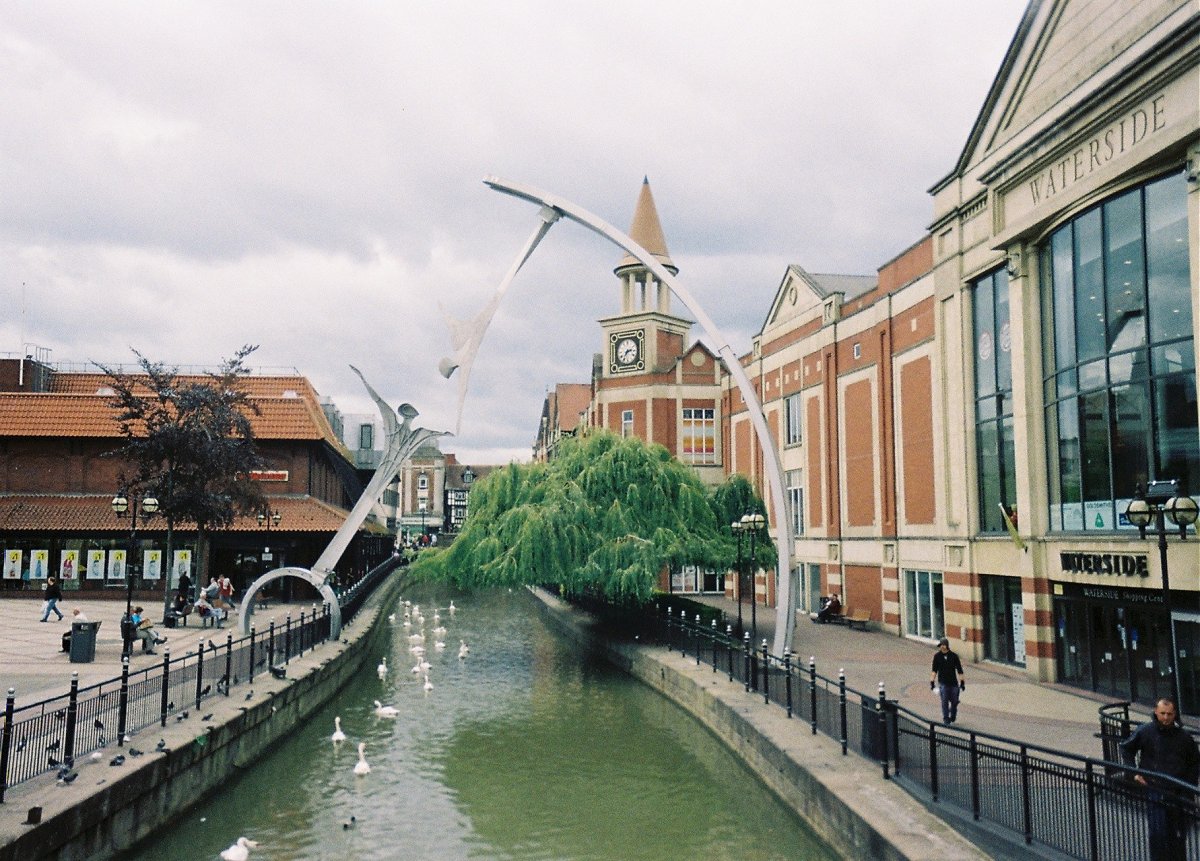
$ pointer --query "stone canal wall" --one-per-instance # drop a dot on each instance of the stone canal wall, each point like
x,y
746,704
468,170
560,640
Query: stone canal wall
x,y
106,810
844,799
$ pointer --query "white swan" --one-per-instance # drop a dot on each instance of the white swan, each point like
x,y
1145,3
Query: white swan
x,y
382,669
439,631
417,668
453,609
463,649
338,735
239,851
437,617
385,711
428,684
392,618
439,646
362,766
425,666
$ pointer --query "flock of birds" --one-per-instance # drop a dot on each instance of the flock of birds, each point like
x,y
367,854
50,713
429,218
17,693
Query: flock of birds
x,y
412,619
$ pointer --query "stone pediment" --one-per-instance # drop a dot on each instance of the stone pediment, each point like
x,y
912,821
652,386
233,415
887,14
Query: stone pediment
x,y
803,295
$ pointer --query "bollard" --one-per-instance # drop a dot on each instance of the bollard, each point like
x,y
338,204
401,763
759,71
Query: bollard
x,y
729,648
228,662
166,677
123,702
199,673
698,630
746,650
812,690
881,708
287,639
72,714
713,635
842,705
787,674
668,629
6,741
271,646
766,669
300,635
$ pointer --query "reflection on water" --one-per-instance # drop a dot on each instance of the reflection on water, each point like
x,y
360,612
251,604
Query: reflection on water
x,y
524,750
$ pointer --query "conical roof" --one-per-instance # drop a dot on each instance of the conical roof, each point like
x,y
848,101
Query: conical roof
x,y
646,231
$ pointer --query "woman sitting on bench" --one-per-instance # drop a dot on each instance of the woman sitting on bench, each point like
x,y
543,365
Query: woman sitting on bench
x,y
831,609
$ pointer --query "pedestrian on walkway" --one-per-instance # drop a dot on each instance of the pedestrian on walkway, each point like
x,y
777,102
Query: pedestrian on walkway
x,y
53,596
947,674
1162,745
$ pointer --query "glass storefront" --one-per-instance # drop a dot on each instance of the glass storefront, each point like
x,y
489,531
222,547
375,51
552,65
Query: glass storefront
x,y
924,612
1004,619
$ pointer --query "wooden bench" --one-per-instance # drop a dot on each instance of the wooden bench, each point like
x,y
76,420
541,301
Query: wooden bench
x,y
858,619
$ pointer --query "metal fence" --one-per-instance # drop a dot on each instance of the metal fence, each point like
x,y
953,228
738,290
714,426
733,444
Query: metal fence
x,y
1045,801
51,735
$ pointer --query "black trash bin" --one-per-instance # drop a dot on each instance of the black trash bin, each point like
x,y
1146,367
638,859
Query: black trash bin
x,y
83,642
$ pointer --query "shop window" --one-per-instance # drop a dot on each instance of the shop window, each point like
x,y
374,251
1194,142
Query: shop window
x,y
924,612
997,477
1120,384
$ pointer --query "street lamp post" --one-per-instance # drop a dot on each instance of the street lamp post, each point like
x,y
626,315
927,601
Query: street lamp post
x,y
267,520
752,523
1163,501
120,505
738,528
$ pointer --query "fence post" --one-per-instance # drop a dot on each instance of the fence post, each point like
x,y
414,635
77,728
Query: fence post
x,y
250,672
166,677
881,707
669,643
199,672
6,741
271,646
974,751
729,648
287,640
713,635
766,668
123,702
787,675
746,650
228,662
812,691
300,636
1093,824
1026,801
842,709
933,760
699,631
72,714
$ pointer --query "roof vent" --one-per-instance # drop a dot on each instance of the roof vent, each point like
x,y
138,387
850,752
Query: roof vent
x,y
291,393
106,391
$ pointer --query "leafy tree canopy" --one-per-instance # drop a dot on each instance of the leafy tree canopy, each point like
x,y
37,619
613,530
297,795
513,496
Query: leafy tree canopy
x,y
608,514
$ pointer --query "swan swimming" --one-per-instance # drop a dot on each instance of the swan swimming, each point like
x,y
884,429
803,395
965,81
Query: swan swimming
x,y
362,766
428,684
385,711
439,646
382,669
392,618
453,609
239,851
338,735
463,649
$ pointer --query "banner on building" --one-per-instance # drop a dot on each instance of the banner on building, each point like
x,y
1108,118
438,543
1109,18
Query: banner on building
x,y
39,564
12,564
68,565
116,564
95,567
180,566
151,564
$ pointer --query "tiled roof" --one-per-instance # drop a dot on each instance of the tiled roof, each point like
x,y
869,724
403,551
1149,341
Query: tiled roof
x,y
92,513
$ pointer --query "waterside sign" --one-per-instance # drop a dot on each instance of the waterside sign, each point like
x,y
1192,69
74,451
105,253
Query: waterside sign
x,y
1115,564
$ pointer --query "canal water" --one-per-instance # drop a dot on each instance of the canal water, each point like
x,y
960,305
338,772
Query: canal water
x,y
525,749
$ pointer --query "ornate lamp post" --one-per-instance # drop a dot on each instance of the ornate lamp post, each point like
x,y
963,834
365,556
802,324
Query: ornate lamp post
x,y
121,505
737,527
752,523
1163,501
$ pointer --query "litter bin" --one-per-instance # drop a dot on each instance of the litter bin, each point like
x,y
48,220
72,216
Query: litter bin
x,y
83,642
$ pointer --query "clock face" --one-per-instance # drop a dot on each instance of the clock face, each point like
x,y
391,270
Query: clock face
x,y
627,351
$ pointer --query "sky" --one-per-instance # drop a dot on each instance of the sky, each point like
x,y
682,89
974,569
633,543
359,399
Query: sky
x,y
182,179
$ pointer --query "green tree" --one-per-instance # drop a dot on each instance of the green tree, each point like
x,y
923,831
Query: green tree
x,y
608,514
731,500
190,443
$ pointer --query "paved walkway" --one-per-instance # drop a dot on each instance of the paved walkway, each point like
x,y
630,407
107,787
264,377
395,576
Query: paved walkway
x,y
32,660
999,700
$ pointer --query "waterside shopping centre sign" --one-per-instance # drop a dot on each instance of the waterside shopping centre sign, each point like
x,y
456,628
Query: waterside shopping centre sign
x,y
1116,564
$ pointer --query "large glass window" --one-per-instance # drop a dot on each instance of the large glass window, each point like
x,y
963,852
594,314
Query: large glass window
x,y
795,489
1120,386
924,615
627,423
795,433
699,435
993,401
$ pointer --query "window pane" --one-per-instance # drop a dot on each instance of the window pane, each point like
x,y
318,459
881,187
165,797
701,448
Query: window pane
x,y
989,477
910,602
1070,481
1167,250
1175,432
1089,288
985,339
1092,376
1008,470
1126,312
1093,432
937,625
1130,407
1003,333
1064,297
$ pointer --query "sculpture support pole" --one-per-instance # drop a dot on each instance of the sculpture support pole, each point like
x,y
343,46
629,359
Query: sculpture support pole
x,y
785,617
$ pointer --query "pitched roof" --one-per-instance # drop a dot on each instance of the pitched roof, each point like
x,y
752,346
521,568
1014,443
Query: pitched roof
x,y
93,513
646,231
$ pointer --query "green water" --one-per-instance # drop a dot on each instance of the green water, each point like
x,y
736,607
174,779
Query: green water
x,y
524,750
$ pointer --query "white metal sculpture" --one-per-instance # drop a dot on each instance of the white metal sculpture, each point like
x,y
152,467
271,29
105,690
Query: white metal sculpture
x,y
468,335
402,441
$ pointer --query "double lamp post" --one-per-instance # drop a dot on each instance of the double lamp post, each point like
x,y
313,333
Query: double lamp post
x,y
750,523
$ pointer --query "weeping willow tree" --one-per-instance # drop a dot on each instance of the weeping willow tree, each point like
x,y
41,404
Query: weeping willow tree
x,y
608,514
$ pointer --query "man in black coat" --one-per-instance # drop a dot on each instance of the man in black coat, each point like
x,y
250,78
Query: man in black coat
x,y
947,675
1163,746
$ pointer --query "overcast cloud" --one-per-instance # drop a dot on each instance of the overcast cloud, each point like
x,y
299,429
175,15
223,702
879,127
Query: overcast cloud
x,y
184,178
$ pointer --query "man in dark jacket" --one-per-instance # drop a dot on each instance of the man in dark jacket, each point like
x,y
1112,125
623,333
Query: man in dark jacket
x,y
1163,746
947,675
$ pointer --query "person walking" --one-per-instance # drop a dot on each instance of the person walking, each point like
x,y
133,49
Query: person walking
x,y
1161,745
947,675
53,596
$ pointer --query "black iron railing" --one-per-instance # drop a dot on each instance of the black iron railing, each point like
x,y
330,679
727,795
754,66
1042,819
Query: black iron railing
x,y
1084,808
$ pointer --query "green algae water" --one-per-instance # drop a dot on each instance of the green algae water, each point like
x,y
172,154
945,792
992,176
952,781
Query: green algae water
x,y
524,749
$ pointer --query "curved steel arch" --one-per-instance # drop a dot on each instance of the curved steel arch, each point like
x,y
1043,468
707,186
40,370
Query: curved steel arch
x,y
246,609
552,208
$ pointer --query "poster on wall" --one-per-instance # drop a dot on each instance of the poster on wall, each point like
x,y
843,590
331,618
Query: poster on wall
x,y
39,564
180,566
151,564
12,564
116,565
68,565
95,566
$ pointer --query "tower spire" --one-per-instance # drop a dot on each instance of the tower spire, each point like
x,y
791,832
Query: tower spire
x,y
646,231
